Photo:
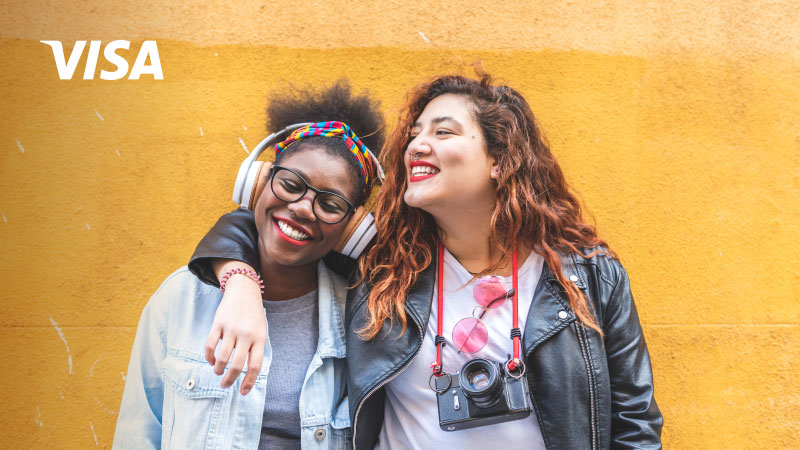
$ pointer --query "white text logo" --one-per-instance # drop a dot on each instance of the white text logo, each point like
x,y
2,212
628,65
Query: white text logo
x,y
66,68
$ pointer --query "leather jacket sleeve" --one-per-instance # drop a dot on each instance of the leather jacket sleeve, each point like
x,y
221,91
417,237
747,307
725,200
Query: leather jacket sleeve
x,y
635,418
234,236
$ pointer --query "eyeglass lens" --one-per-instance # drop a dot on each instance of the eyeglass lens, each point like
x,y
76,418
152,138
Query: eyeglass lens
x,y
290,187
470,334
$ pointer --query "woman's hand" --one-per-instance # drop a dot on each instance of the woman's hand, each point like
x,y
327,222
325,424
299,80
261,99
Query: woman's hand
x,y
241,326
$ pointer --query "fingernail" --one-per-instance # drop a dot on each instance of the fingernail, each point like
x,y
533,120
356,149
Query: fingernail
x,y
245,391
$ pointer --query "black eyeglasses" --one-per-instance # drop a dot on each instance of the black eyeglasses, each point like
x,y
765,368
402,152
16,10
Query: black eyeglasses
x,y
290,187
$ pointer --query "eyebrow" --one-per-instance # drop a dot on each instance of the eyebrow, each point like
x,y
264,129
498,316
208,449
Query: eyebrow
x,y
305,178
439,120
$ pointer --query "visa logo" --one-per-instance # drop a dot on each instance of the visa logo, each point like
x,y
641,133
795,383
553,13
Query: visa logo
x,y
66,67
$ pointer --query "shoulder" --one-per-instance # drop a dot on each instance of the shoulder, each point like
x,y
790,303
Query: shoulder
x,y
182,292
178,279
183,283
603,279
595,271
609,266
592,265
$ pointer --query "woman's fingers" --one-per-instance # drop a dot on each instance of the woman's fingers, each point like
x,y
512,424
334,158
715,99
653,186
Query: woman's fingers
x,y
224,354
253,368
211,342
237,363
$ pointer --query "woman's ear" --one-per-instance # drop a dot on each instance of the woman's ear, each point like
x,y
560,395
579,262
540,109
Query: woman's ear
x,y
495,173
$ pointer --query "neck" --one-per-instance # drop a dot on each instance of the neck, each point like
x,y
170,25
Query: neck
x,y
285,283
466,236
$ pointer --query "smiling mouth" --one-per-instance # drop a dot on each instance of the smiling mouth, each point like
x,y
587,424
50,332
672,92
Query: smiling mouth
x,y
421,172
290,233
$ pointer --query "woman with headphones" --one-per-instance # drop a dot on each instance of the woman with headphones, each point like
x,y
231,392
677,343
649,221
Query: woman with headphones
x,y
299,209
487,313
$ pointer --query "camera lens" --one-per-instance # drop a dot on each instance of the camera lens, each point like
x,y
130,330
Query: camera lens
x,y
479,379
481,383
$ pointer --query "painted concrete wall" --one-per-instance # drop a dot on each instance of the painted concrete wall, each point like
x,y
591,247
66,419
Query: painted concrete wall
x,y
678,122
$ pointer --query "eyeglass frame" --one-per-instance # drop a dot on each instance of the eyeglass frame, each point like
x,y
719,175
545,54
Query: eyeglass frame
x,y
275,168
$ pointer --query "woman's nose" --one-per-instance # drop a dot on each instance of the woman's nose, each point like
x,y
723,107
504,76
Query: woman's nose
x,y
418,147
304,208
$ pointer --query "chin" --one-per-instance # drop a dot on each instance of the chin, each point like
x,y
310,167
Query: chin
x,y
424,201
282,259
414,198
280,255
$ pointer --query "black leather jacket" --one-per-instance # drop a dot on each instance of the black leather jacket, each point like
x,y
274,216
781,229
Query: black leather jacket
x,y
588,391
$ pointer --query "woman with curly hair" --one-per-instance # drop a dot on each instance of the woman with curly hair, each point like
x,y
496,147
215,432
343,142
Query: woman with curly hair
x,y
488,313
299,209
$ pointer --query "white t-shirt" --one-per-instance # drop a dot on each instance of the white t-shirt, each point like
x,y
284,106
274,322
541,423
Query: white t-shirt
x,y
411,415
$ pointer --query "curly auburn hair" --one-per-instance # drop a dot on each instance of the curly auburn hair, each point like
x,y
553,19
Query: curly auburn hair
x,y
534,205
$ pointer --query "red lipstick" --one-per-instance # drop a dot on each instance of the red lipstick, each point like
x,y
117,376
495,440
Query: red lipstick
x,y
288,238
414,178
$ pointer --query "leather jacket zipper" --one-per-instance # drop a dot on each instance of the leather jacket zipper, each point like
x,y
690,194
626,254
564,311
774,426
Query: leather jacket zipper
x,y
387,380
584,352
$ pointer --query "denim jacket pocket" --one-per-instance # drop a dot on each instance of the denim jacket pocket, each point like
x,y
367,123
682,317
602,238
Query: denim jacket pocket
x,y
193,405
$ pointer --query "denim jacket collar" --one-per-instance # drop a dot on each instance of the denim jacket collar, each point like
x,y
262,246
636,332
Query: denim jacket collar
x,y
331,303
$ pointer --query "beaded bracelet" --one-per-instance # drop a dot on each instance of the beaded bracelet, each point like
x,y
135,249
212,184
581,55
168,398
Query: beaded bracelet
x,y
240,271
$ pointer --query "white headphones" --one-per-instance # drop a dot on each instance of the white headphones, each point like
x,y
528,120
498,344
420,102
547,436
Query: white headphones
x,y
253,176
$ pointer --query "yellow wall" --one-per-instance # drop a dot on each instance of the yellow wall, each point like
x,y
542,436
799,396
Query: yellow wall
x,y
677,121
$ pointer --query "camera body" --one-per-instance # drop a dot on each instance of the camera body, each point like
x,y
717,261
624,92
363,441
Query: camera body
x,y
481,393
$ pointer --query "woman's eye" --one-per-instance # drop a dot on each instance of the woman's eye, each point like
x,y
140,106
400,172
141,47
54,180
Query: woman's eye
x,y
332,206
441,132
291,186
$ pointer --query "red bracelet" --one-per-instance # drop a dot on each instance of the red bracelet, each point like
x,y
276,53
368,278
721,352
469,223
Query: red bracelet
x,y
241,271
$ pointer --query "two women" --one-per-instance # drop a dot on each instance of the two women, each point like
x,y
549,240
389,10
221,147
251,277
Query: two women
x,y
482,255
172,397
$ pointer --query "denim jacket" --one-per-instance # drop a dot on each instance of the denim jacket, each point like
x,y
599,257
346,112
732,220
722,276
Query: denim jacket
x,y
173,399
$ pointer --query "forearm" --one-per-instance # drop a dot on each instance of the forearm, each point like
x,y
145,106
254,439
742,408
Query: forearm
x,y
233,237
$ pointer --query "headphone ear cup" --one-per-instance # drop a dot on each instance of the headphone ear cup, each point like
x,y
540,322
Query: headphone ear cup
x,y
250,171
357,234
260,182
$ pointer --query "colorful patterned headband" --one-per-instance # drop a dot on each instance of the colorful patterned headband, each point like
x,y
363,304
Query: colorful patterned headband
x,y
367,162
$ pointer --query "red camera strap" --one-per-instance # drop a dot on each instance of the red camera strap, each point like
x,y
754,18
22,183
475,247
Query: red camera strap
x,y
436,366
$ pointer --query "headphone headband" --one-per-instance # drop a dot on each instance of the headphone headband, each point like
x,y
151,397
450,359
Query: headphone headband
x,y
366,160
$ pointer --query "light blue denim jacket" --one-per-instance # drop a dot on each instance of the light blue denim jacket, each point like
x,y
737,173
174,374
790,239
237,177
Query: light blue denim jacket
x,y
173,399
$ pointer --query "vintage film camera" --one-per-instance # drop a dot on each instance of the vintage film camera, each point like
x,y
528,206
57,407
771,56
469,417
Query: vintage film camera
x,y
482,393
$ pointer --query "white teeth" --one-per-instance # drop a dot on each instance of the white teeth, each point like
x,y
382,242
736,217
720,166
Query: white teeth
x,y
423,170
293,233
